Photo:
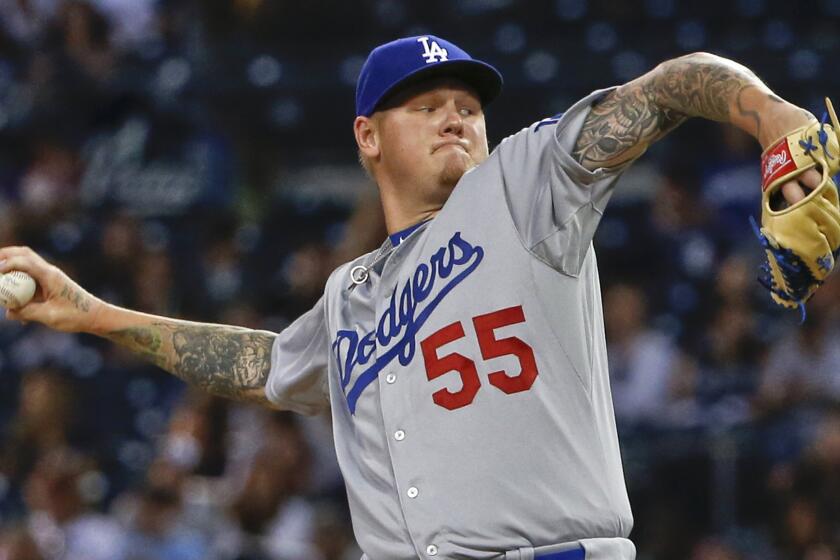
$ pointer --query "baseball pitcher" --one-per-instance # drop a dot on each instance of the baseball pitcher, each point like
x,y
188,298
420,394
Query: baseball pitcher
x,y
464,361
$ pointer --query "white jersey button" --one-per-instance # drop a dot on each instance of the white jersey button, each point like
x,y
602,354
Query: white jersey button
x,y
412,492
399,435
431,550
390,378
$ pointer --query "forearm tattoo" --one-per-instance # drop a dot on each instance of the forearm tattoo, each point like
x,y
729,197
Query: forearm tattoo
x,y
75,297
227,361
628,119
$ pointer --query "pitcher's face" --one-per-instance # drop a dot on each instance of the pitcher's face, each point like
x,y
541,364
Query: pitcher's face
x,y
432,133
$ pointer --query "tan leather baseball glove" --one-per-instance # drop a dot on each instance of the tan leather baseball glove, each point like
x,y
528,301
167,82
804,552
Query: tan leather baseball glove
x,y
802,241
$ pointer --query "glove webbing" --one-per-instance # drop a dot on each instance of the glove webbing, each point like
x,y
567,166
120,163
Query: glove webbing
x,y
794,270
822,137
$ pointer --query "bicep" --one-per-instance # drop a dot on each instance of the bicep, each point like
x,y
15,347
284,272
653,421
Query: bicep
x,y
622,125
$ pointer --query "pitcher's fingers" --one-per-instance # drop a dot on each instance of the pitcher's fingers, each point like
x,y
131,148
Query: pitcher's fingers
x,y
16,315
16,262
12,250
811,179
32,311
36,268
16,250
792,192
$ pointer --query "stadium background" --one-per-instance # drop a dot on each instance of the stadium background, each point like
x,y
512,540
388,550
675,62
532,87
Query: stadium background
x,y
196,159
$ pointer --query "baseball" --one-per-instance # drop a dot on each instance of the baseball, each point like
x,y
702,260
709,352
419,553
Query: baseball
x,y
16,289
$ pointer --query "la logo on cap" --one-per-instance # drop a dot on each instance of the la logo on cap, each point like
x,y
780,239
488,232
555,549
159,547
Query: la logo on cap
x,y
432,53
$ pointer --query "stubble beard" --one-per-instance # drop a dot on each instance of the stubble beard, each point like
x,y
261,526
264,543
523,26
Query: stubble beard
x,y
454,168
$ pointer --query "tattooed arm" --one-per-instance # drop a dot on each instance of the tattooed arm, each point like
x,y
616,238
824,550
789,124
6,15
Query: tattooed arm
x,y
630,118
229,361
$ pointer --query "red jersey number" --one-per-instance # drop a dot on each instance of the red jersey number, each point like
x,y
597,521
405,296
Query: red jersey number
x,y
437,366
491,347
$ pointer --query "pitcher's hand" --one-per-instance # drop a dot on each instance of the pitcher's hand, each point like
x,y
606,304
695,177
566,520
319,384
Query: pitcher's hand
x,y
59,302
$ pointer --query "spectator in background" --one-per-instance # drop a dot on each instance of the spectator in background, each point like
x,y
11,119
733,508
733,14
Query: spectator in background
x,y
306,268
365,228
157,532
224,281
84,36
154,287
822,552
196,440
16,543
645,366
802,531
802,366
132,22
735,282
729,354
114,258
714,549
26,21
685,245
68,72
8,223
270,520
46,419
60,493
334,538
809,494
729,178
48,189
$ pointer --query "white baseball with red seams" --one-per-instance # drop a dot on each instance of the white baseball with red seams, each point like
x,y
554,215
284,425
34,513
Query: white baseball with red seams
x,y
16,289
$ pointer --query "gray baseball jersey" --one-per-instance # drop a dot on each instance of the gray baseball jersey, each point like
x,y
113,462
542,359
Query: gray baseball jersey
x,y
466,367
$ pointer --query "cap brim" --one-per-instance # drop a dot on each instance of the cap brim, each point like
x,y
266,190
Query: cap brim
x,y
486,80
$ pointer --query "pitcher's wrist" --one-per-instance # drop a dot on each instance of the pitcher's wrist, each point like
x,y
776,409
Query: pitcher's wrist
x,y
781,120
99,320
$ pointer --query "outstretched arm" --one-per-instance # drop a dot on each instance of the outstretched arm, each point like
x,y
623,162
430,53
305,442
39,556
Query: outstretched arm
x,y
232,362
630,118
228,361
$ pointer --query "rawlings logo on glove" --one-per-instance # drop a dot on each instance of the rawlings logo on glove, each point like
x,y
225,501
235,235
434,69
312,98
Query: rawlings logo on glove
x,y
772,162
802,241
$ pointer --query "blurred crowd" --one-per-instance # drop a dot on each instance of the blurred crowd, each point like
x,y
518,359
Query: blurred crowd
x,y
178,157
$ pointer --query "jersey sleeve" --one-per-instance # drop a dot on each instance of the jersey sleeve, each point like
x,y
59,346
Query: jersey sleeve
x,y
298,377
555,202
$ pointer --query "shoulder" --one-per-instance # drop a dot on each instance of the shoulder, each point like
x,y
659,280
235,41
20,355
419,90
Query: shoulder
x,y
568,121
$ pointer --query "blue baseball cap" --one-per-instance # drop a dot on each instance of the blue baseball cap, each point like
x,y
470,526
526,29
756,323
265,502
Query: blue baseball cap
x,y
395,65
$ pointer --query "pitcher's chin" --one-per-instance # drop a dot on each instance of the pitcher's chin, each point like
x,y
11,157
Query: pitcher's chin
x,y
454,168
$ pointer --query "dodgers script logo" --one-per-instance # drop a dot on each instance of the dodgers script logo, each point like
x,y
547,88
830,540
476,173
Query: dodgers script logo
x,y
409,307
433,52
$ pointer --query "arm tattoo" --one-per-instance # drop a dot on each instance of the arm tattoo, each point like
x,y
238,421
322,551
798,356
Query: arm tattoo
x,y
228,361
640,112
619,128
75,297
145,341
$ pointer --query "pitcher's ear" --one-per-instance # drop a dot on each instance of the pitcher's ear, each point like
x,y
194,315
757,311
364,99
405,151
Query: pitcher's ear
x,y
367,137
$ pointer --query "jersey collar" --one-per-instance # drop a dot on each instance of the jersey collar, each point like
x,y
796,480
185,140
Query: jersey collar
x,y
400,236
